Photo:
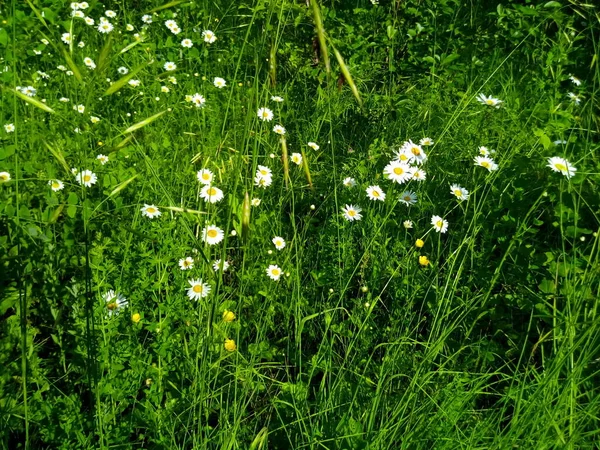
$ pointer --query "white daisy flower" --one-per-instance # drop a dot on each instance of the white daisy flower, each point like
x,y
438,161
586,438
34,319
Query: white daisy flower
x,y
187,43
123,70
489,101
408,198
426,141
4,177
263,171
102,158
164,89
313,145
9,127
265,114
407,224
78,14
279,129
459,192
89,62
575,81
56,185
74,6
219,82
81,44
211,194
64,100
349,182
110,13
198,100
352,213
274,272
262,181
147,18
170,24
209,36
94,119
212,234
277,99
415,152
150,211
83,5
170,66
129,27
296,158
66,38
487,162
418,174
255,202
561,165
439,224
279,242
574,98
86,178
218,264
483,151
134,83
205,176
114,301
105,27
198,289
79,108
398,172
186,263
375,193
89,21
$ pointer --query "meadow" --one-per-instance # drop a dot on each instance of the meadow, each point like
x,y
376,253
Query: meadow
x,y
283,224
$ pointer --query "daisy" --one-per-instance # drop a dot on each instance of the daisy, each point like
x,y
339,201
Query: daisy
x,y
296,158
123,70
212,234
66,38
75,6
483,151
407,224
56,185
129,27
64,100
164,89
274,272
574,98
170,66
279,129
198,289
205,176
263,182
489,101
83,5
426,141
218,264
277,98
408,198
102,158
170,24
29,91
219,82
4,177
575,81
211,194
279,242
114,302
105,27
109,13
150,211
172,80
147,18
263,171
78,14
95,119
558,164
87,178
487,162
134,83
198,100
186,263
402,154
187,43
459,192
89,21
9,127
415,152
398,172
313,146
349,182
209,36
375,193
255,202
175,30
265,114
352,213
419,174
439,224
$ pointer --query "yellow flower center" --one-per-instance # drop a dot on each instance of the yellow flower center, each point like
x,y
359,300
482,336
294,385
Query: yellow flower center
x,y
211,191
4,177
489,101
439,224
275,272
112,306
415,151
151,210
205,176
87,178
265,114
55,185
375,194
403,157
351,212
398,170
197,288
407,198
458,192
212,233
485,164
561,167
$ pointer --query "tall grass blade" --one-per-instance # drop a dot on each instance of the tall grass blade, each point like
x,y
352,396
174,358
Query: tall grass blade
x,y
33,101
144,122
124,80
321,35
347,75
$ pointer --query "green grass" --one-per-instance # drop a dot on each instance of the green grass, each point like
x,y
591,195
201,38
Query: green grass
x,y
492,344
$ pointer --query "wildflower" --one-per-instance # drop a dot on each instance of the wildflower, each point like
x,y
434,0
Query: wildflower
x,y
263,182
211,194
279,242
102,158
63,99
265,114
423,260
426,141
83,5
414,152
164,89
187,43
419,174
274,272
489,101
134,83
487,162
105,27
218,264
89,21
95,119
172,80
277,99
170,24
81,44
114,302
9,127
170,66
349,182
483,151
4,177
574,98
186,263
419,243
56,185
198,289
205,176
279,129
212,234
77,14
407,224
209,36
129,27
123,70
575,81
228,316
86,178
198,100
439,224
66,38
29,91
147,18
45,41
109,13
296,158
136,317
219,82
398,172
459,192
229,345
263,171
313,146
375,193
255,202
150,211
352,213
558,164
408,198
75,6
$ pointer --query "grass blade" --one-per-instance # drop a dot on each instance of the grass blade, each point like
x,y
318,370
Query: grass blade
x,y
284,159
124,80
167,5
144,122
59,157
321,35
33,101
347,75
122,185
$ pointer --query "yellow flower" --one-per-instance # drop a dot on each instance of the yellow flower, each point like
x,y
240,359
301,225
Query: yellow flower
x,y
228,316
419,243
230,345
423,260
135,318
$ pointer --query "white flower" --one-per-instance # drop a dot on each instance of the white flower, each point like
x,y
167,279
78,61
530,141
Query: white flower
x,y
279,129
150,211
265,114
105,27
375,193
198,100
407,224
313,145
198,289
56,185
219,82
147,18
574,98
575,81
94,119
102,158
89,21
4,177
164,89
439,224
29,91
75,6
45,41
426,141
109,13
217,265
123,70
489,101
277,99
408,198
77,14
349,182
134,83
63,99
279,242
352,213
170,24
114,301
186,263
398,172
209,36
263,171
9,127
187,43
129,27
483,151
66,38
169,66
487,162
211,194
296,158
86,178
89,62
414,152
205,176
459,192
561,165
274,272
81,44
255,202
212,234
79,108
